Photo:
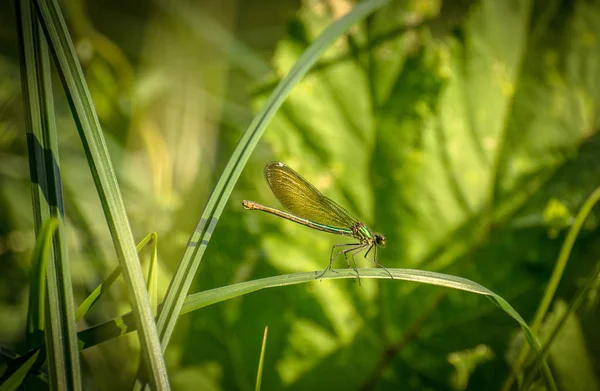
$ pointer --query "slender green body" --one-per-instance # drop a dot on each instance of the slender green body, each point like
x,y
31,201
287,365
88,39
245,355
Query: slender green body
x,y
308,207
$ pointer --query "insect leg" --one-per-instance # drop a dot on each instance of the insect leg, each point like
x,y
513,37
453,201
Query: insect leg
x,y
369,250
333,258
374,260
355,251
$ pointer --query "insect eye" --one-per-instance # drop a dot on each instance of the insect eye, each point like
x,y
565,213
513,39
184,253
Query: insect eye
x,y
380,239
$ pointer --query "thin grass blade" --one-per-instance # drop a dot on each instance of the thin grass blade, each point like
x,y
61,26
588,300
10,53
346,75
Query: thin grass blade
x,y
13,378
60,331
152,276
23,365
82,107
557,273
37,290
93,297
574,305
261,360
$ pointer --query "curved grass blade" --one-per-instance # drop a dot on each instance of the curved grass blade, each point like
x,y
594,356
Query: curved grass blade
x,y
151,279
16,376
37,289
104,177
93,297
182,280
122,325
36,312
573,307
557,273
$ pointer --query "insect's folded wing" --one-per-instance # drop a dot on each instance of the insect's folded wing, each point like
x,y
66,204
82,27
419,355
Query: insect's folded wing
x,y
301,198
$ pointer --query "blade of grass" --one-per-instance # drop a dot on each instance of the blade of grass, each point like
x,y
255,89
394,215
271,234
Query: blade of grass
x,y
33,123
186,271
261,360
93,297
60,331
151,282
557,273
37,290
23,365
573,307
12,378
105,180
122,325
152,276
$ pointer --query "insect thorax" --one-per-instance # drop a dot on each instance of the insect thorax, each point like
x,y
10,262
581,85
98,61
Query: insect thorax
x,y
362,233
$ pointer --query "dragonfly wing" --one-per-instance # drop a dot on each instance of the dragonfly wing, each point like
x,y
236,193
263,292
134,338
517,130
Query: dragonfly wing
x,y
301,198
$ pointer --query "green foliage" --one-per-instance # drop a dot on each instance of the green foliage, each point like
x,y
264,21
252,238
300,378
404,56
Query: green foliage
x,y
439,142
466,132
465,363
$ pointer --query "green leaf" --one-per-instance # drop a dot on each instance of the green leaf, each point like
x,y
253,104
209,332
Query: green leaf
x,y
22,366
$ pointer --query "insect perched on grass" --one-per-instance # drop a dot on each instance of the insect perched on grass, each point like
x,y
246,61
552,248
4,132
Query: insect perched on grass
x,y
307,206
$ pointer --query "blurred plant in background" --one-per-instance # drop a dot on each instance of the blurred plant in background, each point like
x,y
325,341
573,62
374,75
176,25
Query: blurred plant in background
x,y
465,131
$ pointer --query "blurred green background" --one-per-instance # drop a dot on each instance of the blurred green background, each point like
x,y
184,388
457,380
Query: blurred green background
x,y
465,131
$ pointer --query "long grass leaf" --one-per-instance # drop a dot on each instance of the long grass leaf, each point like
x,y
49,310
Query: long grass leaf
x,y
574,305
33,124
200,300
60,332
11,379
559,268
37,289
106,184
